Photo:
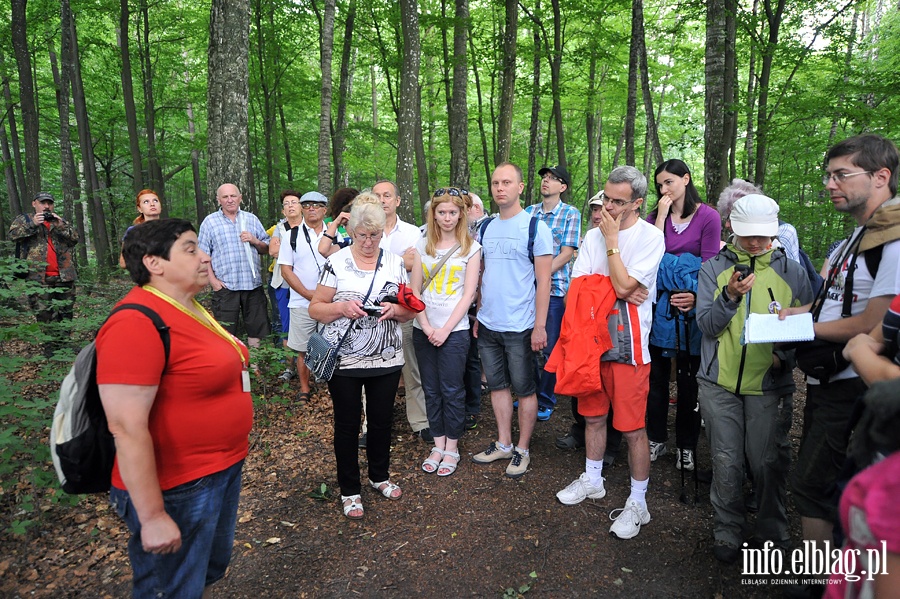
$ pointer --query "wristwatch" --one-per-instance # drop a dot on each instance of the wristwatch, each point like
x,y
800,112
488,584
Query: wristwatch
x,y
612,251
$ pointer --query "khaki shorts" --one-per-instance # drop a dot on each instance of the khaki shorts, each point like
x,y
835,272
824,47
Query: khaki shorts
x,y
301,329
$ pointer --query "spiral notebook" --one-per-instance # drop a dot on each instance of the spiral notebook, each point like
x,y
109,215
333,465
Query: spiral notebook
x,y
766,328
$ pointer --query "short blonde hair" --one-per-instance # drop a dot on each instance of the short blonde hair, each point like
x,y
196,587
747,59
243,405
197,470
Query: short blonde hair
x,y
366,212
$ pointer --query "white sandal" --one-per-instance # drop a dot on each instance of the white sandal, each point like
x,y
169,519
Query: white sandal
x,y
355,504
451,468
433,464
388,490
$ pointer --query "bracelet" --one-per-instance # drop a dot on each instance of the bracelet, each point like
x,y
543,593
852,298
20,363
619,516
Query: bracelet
x,y
728,297
612,251
331,237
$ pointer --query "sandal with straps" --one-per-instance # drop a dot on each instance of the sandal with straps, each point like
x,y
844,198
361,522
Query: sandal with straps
x,y
386,488
430,466
354,505
445,465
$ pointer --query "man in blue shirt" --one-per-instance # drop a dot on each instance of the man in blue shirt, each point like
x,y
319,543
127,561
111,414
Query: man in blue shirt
x,y
564,222
512,316
234,239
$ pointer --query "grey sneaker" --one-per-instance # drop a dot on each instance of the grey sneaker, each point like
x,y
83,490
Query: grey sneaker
x,y
628,523
492,454
656,450
287,375
685,460
518,465
579,490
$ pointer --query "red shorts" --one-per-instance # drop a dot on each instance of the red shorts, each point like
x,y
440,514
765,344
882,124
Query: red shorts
x,y
625,387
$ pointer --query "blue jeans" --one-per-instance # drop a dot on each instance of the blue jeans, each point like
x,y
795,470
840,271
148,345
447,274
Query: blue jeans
x,y
443,372
205,511
546,381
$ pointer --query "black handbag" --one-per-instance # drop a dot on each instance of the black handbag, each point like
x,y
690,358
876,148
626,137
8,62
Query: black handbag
x,y
322,356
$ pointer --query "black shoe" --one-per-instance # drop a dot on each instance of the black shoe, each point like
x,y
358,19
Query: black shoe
x,y
726,552
569,441
471,422
362,440
425,435
608,460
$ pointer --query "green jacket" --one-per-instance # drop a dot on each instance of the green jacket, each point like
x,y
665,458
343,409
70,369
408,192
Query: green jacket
x,y
746,369
34,236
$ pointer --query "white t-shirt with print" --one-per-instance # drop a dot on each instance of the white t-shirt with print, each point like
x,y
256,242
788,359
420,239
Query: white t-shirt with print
x,y
446,289
370,344
885,283
641,247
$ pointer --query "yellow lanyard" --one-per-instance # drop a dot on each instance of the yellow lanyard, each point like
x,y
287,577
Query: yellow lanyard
x,y
210,322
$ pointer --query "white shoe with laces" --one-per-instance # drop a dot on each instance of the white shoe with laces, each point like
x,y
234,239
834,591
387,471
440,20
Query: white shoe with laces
x,y
628,523
579,490
656,450
685,460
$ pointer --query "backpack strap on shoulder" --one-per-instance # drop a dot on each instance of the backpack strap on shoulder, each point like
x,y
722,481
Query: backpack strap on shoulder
x,y
161,327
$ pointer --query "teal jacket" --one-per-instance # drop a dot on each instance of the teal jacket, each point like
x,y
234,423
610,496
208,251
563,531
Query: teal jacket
x,y
746,369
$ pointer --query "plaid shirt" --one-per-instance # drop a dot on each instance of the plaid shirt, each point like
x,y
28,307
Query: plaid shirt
x,y
564,222
221,239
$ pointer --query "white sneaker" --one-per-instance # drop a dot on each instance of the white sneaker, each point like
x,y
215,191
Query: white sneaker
x,y
656,450
581,489
287,375
628,523
685,457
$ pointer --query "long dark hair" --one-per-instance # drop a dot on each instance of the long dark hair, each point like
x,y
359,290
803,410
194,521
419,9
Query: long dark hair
x,y
691,195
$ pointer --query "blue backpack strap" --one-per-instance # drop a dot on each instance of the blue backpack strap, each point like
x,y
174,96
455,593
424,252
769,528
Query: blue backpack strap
x,y
161,327
532,232
483,229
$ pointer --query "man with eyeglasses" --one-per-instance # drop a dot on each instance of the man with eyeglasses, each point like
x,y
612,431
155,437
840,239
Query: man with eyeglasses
x,y
512,317
399,238
300,264
628,250
564,222
861,179
234,239
279,290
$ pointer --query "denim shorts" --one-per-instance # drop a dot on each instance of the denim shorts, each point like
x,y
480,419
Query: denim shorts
x,y
507,360
205,511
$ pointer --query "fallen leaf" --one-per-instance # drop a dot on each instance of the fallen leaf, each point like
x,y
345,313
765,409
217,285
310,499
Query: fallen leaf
x,y
273,540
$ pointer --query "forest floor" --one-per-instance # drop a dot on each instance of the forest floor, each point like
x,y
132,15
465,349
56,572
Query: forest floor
x,y
476,533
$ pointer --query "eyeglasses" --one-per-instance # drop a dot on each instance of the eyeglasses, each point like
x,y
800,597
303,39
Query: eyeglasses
x,y
552,177
373,237
840,177
291,203
311,206
450,191
604,199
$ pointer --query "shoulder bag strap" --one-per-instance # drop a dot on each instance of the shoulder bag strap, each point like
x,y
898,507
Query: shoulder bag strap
x,y
365,299
851,245
437,268
309,243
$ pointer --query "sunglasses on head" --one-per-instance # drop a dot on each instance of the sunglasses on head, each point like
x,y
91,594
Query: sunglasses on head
x,y
450,191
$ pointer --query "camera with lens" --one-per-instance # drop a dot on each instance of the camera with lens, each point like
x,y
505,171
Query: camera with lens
x,y
48,216
372,310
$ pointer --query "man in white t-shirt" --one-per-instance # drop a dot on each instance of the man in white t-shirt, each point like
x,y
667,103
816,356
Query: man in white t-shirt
x,y
399,238
861,177
301,264
512,316
628,250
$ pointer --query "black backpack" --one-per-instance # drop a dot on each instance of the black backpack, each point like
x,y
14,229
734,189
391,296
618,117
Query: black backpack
x,y
82,448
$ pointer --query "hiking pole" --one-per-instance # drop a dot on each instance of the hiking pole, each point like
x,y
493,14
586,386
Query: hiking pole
x,y
690,374
683,498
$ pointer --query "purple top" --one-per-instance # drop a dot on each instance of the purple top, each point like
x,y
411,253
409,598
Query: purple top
x,y
700,238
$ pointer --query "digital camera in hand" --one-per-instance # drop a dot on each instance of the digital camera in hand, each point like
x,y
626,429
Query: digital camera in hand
x,y
372,310
48,216
743,269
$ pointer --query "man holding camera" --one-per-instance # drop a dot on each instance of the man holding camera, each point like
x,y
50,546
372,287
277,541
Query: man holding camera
x,y
45,240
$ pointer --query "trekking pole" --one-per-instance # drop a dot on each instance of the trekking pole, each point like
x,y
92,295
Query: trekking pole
x,y
683,498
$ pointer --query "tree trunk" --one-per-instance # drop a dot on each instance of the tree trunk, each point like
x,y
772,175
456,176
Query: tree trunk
x,y
267,84
634,64
652,132
459,110
157,181
195,152
15,200
590,121
408,119
715,148
480,119
508,82
340,126
284,137
26,99
62,82
773,18
95,202
555,63
535,113
326,50
227,93
15,205
134,144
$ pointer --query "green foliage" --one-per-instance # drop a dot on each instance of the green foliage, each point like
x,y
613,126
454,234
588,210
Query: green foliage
x,y
512,593
321,494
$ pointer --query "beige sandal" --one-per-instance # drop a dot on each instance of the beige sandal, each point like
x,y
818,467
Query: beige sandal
x,y
355,504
